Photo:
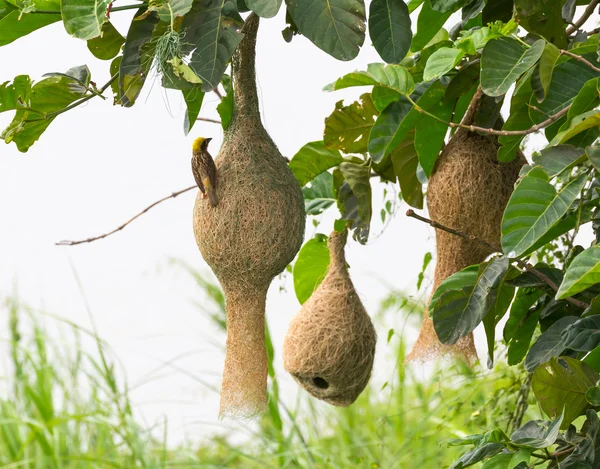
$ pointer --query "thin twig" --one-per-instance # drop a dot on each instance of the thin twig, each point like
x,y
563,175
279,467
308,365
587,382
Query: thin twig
x,y
95,238
207,119
491,131
528,267
589,11
218,93
58,12
581,59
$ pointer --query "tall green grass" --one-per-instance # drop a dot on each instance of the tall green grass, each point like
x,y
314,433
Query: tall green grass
x,y
67,407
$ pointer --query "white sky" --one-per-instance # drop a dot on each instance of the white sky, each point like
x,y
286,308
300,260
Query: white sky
x,y
98,165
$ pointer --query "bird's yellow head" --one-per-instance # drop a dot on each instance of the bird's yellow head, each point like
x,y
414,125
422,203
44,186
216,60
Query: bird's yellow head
x,y
200,144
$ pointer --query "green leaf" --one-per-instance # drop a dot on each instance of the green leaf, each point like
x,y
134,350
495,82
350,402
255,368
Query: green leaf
x,y
16,94
169,10
394,77
389,29
138,54
431,133
84,18
586,100
399,118
554,160
592,152
405,161
335,26
581,123
547,62
537,434
466,277
428,25
582,273
358,177
319,196
264,8
348,206
477,454
348,127
504,60
497,311
14,24
193,100
445,6
441,62
225,109
519,311
508,460
311,160
459,312
519,119
549,345
108,44
583,335
534,208
592,395
498,10
311,267
46,97
562,384
519,344
211,37
543,17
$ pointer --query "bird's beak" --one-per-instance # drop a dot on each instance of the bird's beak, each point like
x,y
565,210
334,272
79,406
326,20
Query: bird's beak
x,y
208,140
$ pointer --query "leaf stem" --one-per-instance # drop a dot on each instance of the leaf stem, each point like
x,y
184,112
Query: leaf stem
x,y
491,131
529,268
58,12
581,59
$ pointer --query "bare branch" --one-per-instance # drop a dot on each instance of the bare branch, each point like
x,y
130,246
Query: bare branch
x,y
207,119
491,131
589,11
528,267
218,93
581,59
119,228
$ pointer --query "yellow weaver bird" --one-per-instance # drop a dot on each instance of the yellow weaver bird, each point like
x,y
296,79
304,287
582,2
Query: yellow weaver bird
x,y
204,169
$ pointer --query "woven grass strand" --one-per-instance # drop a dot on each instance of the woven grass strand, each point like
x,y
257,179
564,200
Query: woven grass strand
x,y
251,236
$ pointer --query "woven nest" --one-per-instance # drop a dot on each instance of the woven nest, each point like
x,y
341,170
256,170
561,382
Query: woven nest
x,y
251,236
330,346
468,191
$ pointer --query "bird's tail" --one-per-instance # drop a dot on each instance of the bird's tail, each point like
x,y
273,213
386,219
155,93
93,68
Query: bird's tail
x,y
212,196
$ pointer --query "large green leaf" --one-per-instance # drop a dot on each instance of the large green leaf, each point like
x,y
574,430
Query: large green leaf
x,y
543,17
405,161
554,160
497,311
521,338
358,177
399,118
534,208
441,62
428,25
211,37
504,60
389,29
348,127
46,97
108,44
519,119
587,120
264,8
431,133
138,54
84,18
459,312
394,77
520,311
547,62
319,196
193,101
583,335
537,434
445,6
560,385
169,10
16,94
311,267
14,24
549,345
311,160
348,202
582,273
335,26
497,10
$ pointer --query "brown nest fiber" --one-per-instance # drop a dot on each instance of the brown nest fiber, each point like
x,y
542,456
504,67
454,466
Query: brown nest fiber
x,y
468,191
330,346
251,236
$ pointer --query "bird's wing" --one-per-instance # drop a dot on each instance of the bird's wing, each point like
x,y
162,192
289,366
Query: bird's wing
x,y
197,176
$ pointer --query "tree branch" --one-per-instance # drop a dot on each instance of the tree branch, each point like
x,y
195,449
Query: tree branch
x,y
206,119
119,228
491,131
589,11
528,267
581,59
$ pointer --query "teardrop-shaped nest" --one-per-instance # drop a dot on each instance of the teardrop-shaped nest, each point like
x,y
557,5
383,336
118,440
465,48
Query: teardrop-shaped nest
x,y
468,191
329,348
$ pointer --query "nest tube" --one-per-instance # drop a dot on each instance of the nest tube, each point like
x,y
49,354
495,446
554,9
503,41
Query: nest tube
x,y
251,236
329,348
468,191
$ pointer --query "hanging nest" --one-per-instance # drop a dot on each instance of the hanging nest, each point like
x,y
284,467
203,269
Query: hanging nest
x,y
468,191
251,236
330,346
